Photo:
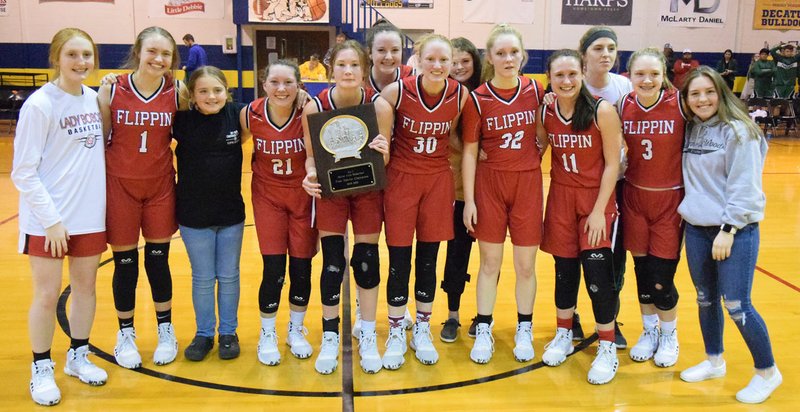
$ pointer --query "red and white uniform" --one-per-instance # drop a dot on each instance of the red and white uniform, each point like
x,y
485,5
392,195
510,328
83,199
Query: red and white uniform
x,y
654,136
281,207
400,73
420,191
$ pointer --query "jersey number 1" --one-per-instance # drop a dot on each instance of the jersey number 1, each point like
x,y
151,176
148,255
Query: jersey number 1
x,y
143,147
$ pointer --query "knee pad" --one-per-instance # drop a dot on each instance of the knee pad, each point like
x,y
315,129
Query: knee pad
x,y
366,264
425,271
665,295
126,276
399,273
642,270
598,269
156,265
272,278
455,267
300,277
568,278
333,267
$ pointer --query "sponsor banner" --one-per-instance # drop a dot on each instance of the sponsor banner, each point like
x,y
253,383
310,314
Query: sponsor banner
x,y
69,1
3,7
776,15
693,13
188,9
500,11
398,4
593,12
289,11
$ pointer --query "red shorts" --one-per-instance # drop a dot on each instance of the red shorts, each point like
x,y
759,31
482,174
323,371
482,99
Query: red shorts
x,y
283,220
652,224
567,210
365,210
421,202
134,204
86,245
509,200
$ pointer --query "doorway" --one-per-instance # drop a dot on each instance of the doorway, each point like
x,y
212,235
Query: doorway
x,y
295,44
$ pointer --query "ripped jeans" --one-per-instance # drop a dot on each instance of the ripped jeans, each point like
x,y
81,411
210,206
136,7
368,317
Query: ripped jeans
x,y
731,280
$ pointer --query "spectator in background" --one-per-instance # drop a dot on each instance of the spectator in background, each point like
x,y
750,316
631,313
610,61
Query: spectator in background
x,y
785,75
669,55
340,38
312,70
683,66
727,68
762,71
197,56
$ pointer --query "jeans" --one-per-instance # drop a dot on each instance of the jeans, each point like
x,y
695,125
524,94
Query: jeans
x,y
214,254
732,280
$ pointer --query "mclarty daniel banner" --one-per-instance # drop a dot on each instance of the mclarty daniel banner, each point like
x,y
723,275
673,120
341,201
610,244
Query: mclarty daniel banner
x,y
693,13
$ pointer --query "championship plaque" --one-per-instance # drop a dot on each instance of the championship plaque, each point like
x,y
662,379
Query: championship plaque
x,y
345,164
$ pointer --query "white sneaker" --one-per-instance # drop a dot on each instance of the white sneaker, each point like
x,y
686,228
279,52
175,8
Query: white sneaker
x,y
422,344
327,360
605,364
125,352
759,389
298,344
267,349
167,348
667,353
557,350
523,340
79,366
44,390
703,371
394,356
483,347
357,323
408,321
368,351
646,346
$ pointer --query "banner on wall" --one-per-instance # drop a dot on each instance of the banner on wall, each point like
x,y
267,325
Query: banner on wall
x,y
289,11
608,13
75,1
776,15
3,8
188,9
499,11
693,13
398,4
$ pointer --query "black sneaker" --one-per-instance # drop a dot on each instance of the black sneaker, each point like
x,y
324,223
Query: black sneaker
x,y
450,330
228,346
199,348
472,327
620,340
577,329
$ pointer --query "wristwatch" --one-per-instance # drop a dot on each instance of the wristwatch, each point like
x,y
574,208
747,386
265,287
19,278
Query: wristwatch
x,y
728,228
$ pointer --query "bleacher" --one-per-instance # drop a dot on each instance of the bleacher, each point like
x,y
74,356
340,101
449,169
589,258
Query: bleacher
x,y
15,87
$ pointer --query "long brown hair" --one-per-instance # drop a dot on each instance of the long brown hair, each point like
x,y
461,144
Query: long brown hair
x,y
135,53
585,105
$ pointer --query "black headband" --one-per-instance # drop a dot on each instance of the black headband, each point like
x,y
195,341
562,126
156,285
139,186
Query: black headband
x,y
597,35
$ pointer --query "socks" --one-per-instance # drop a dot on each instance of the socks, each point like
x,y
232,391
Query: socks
x,y
606,335
77,343
650,321
487,319
524,318
367,327
296,317
423,316
125,323
41,356
564,323
268,323
668,327
330,325
394,321
164,317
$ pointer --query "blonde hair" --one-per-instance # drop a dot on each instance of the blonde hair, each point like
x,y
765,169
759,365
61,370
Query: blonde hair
x,y
58,42
208,71
429,38
488,70
134,55
652,52
729,108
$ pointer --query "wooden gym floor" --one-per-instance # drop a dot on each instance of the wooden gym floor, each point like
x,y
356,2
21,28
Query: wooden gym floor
x,y
455,383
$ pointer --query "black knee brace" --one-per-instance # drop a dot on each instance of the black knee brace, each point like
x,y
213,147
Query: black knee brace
x,y
126,275
662,274
399,273
597,267
333,267
617,235
156,265
300,276
641,267
425,271
366,264
272,278
568,279
456,264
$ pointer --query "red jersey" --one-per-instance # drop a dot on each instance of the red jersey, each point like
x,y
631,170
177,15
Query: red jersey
x,y
504,121
400,73
421,138
324,100
577,156
141,130
654,136
279,151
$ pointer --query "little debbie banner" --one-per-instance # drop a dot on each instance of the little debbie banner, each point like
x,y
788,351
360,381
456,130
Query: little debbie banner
x,y
776,15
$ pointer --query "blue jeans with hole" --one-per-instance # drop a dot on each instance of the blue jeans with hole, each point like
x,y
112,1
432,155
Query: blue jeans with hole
x,y
214,254
731,280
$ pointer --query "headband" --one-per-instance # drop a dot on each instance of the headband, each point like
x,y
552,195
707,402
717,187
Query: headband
x,y
602,33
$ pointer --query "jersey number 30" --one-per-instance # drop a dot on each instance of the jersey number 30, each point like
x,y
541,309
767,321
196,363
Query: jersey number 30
x,y
425,145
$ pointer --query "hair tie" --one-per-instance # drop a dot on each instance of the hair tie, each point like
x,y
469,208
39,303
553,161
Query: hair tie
x,y
602,33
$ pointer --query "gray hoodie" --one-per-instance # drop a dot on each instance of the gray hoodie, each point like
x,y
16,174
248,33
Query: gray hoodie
x,y
722,174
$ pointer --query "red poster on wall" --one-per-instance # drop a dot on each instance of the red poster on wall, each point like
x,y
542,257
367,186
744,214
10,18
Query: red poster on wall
x,y
77,1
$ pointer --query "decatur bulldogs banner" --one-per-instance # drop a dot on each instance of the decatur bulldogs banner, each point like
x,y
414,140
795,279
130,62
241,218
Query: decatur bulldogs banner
x,y
776,15
589,12
693,13
398,4
189,9
289,11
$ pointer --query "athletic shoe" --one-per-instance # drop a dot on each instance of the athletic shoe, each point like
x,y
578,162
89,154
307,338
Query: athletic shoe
x,y
483,348
408,321
44,390
79,366
394,356
228,347
577,329
357,323
523,349
267,349
703,371
619,340
422,344
125,352
646,346
473,327
667,353
298,344
759,389
167,348
199,348
449,332
556,351
605,364
368,351
327,360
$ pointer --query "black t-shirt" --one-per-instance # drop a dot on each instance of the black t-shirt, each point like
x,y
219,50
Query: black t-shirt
x,y
209,153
